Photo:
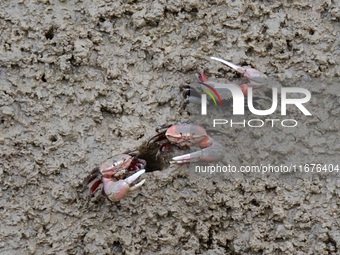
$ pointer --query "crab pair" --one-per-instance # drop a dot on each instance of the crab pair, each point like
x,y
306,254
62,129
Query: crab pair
x,y
118,174
127,165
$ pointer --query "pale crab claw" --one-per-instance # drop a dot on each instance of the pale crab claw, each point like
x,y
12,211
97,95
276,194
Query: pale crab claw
x,y
255,77
212,153
116,190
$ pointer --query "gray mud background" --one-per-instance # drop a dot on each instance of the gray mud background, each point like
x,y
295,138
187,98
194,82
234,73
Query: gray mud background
x,y
84,80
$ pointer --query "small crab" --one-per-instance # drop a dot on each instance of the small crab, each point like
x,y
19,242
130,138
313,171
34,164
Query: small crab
x,y
112,173
255,78
185,135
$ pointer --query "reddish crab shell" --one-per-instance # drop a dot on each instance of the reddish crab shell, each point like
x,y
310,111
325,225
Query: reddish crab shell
x,y
184,135
112,173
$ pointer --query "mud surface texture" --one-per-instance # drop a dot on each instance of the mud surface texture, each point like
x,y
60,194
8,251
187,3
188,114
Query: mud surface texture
x,y
84,80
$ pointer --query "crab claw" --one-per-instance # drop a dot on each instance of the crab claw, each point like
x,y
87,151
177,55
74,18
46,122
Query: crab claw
x,y
116,190
256,78
209,154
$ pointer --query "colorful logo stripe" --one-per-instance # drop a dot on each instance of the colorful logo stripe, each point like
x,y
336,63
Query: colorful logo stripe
x,y
211,94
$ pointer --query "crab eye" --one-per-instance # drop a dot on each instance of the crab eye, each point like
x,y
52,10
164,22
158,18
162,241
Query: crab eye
x,y
117,162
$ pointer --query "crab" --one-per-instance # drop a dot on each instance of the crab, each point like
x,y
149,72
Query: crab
x,y
256,79
112,173
184,135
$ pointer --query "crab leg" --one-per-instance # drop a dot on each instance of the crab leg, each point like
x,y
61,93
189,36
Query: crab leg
x,y
237,68
93,178
95,185
93,175
209,154
134,177
116,190
161,134
157,138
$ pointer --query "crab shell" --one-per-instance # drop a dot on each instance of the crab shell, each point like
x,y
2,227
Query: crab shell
x,y
112,172
116,166
185,135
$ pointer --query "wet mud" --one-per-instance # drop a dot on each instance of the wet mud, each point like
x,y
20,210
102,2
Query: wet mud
x,y
84,80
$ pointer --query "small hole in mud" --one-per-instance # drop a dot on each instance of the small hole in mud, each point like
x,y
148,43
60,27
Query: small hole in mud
x,y
116,247
53,138
270,189
248,40
240,189
269,46
289,45
101,20
43,78
73,61
283,24
250,51
157,160
117,133
254,202
194,11
127,13
149,154
49,34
